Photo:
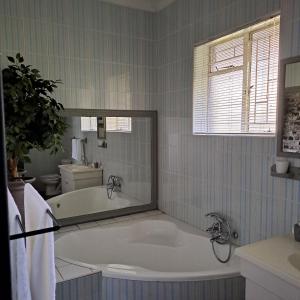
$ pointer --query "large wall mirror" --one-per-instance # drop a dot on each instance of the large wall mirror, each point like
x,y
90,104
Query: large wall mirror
x,y
288,132
108,166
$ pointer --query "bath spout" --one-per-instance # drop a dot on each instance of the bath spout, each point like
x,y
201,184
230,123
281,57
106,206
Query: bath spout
x,y
113,185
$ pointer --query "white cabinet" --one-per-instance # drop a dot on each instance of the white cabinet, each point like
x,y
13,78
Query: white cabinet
x,y
263,284
255,292
75,177
271,269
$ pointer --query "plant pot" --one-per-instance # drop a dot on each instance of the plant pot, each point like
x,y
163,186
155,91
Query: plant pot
x,y
16,188
12,164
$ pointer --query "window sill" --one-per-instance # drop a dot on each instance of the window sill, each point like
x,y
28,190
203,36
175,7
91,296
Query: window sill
x,y
251,135
117,131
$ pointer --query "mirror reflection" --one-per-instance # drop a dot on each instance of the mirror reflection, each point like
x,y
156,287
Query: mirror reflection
x,y
105,165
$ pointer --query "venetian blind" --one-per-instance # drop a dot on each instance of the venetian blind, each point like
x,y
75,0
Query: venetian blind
x,y
119,124
113,124
235,82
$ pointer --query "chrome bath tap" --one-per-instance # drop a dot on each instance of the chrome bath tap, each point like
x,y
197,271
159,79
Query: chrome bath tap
x,y
221,233
113,185
220,230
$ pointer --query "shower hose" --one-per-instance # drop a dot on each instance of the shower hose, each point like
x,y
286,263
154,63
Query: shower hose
x,y
221,240
223,261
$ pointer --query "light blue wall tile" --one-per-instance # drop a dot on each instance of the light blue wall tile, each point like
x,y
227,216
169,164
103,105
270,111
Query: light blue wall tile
x,y
90,45
228,174
110,56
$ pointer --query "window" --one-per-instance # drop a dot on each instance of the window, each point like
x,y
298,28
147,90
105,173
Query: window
x,y
113,124
88,124
118,124
235,82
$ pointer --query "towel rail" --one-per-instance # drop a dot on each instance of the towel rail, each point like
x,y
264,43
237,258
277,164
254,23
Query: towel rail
x,y
18,219
25,234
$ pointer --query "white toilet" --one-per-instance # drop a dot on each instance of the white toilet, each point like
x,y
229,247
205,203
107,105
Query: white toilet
x,y
52,184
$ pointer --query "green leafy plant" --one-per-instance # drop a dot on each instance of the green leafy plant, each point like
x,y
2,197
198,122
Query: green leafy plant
x,y
32,115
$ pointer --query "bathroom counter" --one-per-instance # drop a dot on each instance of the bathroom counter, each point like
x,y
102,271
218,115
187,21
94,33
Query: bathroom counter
x,y
274,256
76,177
73,168
274,264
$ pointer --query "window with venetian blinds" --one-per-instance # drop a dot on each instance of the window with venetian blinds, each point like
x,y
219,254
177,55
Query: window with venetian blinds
x,y
118,124
235,82
113,124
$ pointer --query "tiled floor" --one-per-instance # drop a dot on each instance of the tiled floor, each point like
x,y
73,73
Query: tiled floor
x,y
66,270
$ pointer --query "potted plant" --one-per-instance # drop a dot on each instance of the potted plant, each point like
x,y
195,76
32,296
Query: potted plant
x,y
33,117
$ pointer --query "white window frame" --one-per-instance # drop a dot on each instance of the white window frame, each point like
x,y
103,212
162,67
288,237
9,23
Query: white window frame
x,y
247,35
94,128
128,130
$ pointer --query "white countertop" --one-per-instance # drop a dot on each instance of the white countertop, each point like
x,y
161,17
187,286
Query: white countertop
x,y
274,255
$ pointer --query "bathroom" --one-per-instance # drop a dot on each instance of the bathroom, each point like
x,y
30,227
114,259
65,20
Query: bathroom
x,y
147,60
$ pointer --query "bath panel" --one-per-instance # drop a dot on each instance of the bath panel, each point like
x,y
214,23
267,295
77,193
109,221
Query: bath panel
x,y
221,289
82,288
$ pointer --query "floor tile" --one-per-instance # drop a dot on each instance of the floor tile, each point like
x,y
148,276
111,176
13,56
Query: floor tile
x,y
87,225
68,228
58,276
72,271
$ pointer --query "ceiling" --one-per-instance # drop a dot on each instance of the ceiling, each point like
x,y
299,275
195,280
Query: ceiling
x,y
149,5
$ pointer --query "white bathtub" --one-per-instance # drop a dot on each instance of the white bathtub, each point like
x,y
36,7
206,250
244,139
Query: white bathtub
x,y
156,249
87,201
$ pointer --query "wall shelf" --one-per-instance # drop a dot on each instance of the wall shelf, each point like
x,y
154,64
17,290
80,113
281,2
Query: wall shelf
x,y
293,173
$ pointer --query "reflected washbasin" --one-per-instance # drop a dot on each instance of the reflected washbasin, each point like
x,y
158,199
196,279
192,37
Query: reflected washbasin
x,y
73,168
294,260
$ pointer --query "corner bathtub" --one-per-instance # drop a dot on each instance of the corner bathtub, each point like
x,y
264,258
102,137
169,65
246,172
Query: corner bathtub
x,y
87,201
158,258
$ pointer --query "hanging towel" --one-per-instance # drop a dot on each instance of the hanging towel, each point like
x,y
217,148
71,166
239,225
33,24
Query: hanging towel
x,y
19,272
76,149
39,248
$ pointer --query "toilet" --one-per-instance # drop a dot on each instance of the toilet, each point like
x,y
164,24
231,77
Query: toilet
x,y
52,184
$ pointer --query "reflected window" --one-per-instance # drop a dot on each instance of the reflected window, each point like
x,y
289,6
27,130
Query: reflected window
x,y
118,124
113,124
88,124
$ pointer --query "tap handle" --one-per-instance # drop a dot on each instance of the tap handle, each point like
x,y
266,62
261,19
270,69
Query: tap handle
x,y
216,216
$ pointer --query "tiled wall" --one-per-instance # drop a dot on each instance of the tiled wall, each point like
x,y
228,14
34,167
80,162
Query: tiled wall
x,y
103,53
220,289
81,288
114,57
198,174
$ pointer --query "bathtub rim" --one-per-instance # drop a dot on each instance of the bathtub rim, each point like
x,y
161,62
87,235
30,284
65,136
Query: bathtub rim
x,y
149,275
53,201
144,274
103,215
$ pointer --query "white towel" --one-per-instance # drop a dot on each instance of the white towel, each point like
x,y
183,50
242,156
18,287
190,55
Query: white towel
x,y
76,149
19,272
40,248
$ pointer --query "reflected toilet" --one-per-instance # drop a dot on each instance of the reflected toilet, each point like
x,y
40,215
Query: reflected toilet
x,y
52,184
